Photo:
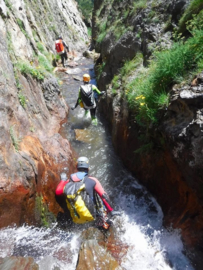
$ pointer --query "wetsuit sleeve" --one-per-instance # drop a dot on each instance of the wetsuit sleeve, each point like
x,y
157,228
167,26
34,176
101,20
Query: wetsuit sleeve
x,y
60,187
65,45
94,88
100,191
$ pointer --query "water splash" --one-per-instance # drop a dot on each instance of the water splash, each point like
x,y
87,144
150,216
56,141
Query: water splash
x,y
49,247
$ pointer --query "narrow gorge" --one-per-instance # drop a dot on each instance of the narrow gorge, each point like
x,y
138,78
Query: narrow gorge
x,y
147,56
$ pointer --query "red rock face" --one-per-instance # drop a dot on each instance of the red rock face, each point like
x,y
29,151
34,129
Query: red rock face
x,y
17,199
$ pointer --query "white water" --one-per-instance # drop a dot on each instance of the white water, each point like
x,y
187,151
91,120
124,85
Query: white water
x,y
151,247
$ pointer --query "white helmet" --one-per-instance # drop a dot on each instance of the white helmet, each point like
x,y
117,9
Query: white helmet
x,y
83,163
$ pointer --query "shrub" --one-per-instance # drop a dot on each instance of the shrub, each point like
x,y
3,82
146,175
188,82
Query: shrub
x,y
148,92
22,99
22,28
100,69
26,68
14,139
40,47
194,7
140,4
43,61
101,37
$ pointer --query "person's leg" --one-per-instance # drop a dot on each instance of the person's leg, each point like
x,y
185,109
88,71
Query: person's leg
x,y
93,116
66,56
86,112
63,59
93,113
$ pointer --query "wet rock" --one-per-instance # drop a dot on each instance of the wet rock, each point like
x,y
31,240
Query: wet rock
x,y
92,256
18,263
60,69
72,64
74,71
77,78
90,54
99,249
3,9
83,135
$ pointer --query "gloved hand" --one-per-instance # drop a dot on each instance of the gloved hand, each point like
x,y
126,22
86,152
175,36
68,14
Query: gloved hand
x,y
102,93
115,213
63,176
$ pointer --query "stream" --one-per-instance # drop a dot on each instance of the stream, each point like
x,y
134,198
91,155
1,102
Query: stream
x,y
151,246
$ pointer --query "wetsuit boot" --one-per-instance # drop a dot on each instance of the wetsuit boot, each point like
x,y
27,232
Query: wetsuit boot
x,y
86,112
94,121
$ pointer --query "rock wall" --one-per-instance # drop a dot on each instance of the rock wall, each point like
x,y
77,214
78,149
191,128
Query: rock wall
x,y
172,170
32,153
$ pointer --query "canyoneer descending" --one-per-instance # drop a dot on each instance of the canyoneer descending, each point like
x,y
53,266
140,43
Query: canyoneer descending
x,y
85,197
61,49
87,98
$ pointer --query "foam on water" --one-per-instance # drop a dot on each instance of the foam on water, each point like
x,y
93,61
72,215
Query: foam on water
x,y
49,247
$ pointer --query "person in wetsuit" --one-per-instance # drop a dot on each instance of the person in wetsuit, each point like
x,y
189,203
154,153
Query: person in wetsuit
x,y
94,189
61,49
87,97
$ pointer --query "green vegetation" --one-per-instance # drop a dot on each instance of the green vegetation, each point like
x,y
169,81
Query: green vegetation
x,y
101,37
86,7
148,92
100,69
44,62
25,68
89,30
40,47
42,212
22,99
10,45
194,8
140,4
115,84
14,139
8,4
130,66
22,28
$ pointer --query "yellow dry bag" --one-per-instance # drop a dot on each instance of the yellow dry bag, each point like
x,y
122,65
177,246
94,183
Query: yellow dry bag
x,y
74,192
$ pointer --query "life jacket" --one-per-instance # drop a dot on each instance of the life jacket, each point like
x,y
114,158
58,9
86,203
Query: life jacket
x,y
59,46
87,96
77,199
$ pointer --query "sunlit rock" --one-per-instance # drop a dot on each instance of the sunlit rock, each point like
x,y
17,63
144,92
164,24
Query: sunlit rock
x,y
83,135
100,250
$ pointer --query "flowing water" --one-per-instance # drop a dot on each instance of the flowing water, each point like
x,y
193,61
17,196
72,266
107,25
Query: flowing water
x,y
151,247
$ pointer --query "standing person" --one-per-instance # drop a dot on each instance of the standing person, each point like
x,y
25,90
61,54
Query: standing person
x,y
61,48
85,197
86,97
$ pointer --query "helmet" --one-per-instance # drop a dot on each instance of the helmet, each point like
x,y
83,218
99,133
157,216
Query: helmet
x,y
82,163
63,176
86,77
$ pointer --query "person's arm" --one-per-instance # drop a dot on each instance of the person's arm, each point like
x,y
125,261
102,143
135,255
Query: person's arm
x,y
65,45
100,191
94,88
60,187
